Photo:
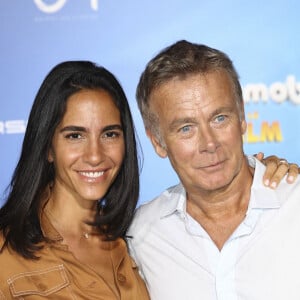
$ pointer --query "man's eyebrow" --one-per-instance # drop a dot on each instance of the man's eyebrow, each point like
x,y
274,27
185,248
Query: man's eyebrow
x,y
177,122
224,109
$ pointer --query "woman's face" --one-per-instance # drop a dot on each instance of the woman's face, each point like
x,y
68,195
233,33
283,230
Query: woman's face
x,y
88,146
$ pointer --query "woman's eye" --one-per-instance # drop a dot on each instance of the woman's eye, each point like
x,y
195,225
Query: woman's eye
x,y
112,134
73,136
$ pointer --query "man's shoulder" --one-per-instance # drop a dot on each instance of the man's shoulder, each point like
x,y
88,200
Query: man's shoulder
x,y
150,212
286,190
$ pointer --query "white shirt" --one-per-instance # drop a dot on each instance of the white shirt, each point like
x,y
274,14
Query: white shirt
x,y
261,260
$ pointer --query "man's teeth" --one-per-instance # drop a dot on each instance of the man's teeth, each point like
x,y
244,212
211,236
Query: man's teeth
x,y
92,174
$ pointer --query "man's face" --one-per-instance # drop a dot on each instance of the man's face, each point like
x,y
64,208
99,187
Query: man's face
x,y
200,125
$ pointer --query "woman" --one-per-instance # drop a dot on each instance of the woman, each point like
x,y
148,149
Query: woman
x,y
73,193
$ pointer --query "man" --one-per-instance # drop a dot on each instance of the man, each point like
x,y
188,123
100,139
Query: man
x,y
220,233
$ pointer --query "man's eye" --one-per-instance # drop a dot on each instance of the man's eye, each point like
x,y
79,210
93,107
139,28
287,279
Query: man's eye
x,y
186,128
220,118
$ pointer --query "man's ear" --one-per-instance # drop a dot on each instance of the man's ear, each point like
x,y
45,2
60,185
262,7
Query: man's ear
x,y
243,126
158,147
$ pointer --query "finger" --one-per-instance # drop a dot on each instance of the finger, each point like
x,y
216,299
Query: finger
x,y
292,173
279,173
271,167
259,156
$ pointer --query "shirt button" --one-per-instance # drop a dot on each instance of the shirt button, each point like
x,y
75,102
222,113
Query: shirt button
x,y
92,285
121,278
42,287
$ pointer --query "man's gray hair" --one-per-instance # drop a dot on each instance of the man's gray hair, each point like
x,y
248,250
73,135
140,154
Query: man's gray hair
x,y
179,60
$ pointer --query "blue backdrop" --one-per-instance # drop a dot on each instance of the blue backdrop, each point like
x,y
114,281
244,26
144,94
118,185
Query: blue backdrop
x,y
261,37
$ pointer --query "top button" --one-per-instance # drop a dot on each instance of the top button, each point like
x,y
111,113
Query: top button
x,y
42,287
121,278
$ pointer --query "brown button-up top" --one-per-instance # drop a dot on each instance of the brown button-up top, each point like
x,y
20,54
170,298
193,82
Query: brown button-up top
x,y
59,275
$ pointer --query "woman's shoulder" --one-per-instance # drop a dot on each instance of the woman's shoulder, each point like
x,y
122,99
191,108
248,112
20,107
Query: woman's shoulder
x,y
9,258
13,263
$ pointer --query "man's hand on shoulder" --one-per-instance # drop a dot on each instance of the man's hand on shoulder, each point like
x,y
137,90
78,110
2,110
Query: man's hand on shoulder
x,y
276,169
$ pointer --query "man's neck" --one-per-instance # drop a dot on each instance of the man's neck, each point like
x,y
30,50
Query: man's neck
x,y
220,212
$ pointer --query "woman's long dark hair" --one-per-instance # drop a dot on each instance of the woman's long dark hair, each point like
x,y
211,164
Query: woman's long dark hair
x,y
19,217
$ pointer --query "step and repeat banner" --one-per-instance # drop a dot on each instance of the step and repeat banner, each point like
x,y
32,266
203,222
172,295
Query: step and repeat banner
x,y
261,37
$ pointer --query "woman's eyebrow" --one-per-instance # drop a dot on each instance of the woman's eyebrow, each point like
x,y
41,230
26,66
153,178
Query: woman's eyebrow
x,y
112,127
73,128
83,129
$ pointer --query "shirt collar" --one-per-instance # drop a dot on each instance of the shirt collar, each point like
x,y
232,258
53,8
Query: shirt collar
x,y
261,196
175,201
